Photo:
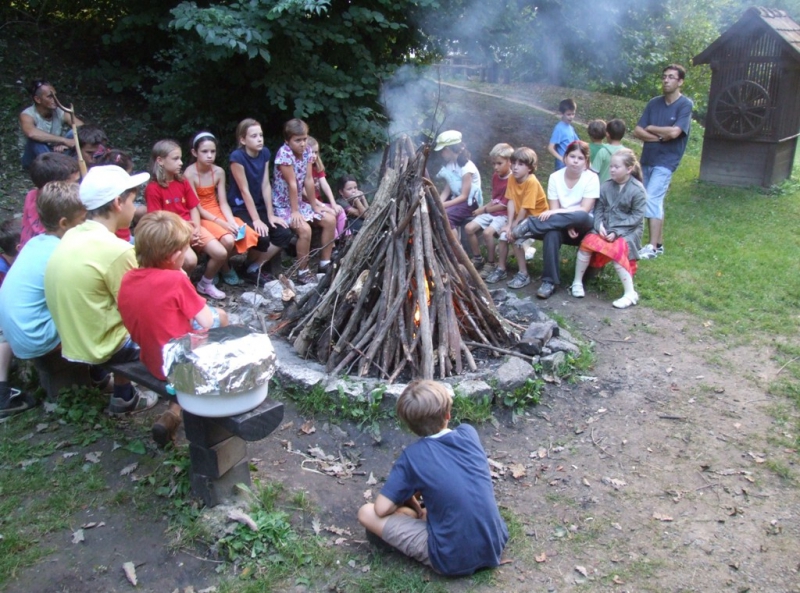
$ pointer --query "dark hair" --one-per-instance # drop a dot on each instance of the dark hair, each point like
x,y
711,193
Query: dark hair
x,y
89,134
9,236
678,68
581,146
616,129
57,200
294,127
52,166
567,105
462,154
109,206
201,137
526,156
344,180
36,85
596,129
120,158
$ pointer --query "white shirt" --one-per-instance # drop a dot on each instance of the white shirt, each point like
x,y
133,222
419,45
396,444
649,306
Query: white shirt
x,y
588,186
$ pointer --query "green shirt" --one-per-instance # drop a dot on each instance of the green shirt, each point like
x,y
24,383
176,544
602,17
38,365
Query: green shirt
x,y
81,284
601,162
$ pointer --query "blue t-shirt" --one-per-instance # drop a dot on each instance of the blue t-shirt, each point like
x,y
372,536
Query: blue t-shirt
x,y
465,529
254,170
563,135
24,316
657,113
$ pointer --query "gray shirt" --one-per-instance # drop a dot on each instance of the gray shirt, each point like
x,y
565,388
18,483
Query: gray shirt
x,y
54,125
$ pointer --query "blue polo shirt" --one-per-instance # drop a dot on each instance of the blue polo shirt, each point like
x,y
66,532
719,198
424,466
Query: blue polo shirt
x,y
666,154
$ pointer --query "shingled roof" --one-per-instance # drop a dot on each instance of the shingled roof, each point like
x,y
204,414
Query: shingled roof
x,y
775,21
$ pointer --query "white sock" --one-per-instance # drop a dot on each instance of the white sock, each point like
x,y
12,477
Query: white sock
x,y
252,268
205,280
581,263
324,263
625,278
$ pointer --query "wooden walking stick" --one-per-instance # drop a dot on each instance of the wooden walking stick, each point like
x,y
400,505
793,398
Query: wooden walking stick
x,y
71,111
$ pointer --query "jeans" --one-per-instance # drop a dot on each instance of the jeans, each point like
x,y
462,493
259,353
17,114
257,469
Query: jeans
x,y
656,183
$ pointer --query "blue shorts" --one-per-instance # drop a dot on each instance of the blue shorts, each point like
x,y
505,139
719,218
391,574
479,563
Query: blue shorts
x,y
656,182
214,316
128,352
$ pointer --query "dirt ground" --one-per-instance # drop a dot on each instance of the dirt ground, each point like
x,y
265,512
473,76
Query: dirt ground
x,y
655,473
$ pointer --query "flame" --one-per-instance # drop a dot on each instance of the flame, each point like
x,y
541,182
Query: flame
x,y
417,311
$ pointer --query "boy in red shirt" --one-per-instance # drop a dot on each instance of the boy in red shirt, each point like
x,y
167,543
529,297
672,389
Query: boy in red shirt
x,y
157,301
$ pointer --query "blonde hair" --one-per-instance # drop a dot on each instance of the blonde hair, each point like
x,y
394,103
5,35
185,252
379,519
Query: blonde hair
x,y
629,159
424,406
161,149
242,127
502,150
57,200
159,234
319,166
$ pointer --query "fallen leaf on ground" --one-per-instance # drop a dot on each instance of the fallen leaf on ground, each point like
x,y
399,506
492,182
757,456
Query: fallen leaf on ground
x,y
130,573
27,463
69,454
517,470
367,493
614,483
115,446
49,407
339,541
286,425
496,465
661,517
586,483
758,458
371,481
616,580
352,564
128,469
77,536
581,570
93,457
308,427
541,558
243,518
338,530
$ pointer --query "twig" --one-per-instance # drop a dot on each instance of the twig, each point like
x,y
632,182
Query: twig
x,y
596,444
667,417
786,365
596,339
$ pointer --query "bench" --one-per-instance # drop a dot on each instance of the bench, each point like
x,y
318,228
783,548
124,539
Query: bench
x,y
217,446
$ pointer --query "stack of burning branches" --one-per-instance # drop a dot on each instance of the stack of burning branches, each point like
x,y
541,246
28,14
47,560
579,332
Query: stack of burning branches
x,y
405,295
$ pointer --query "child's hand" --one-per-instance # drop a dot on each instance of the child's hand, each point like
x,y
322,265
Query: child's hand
x,y
573,234
296,220
277,221
611,237
231,226
261,228
479,211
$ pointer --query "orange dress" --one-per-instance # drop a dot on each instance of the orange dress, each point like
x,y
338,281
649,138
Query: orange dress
x,y
209,202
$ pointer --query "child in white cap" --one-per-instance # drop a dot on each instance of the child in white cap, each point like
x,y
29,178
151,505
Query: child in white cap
x,y
462,194
83,277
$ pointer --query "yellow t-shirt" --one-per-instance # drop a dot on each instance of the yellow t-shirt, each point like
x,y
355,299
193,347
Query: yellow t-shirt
x,y
528,195
81,284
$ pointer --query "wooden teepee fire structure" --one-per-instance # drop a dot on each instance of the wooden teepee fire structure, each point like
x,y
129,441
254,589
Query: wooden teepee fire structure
x,y
405,296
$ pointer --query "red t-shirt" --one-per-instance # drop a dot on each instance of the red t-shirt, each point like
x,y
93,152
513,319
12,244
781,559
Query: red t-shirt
x,y
499,186
157,305
177,197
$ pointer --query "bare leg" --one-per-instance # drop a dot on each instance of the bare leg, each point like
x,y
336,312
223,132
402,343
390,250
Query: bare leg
x,y
472,230
656,231
218,257
488,238
519,253
190,262
328,225
502,255
303,244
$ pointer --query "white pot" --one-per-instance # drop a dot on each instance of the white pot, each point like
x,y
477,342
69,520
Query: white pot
x,y
219,406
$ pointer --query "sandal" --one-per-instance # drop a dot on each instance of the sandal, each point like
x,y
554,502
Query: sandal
x,y
231,278
626,301
577,290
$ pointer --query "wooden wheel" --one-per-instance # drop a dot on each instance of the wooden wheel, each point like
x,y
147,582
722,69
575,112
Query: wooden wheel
x,y
740,110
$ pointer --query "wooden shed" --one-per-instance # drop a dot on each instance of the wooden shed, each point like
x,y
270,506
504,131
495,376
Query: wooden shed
x,y
754,103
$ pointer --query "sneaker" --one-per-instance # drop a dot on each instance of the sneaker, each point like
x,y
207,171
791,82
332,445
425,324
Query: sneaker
x,y
165,428
626,301
648,252
497,275
659,251
487,269
231,278
577,290
546,290
258,277
13,401
519,280
305,277
141,401
478,262
205,287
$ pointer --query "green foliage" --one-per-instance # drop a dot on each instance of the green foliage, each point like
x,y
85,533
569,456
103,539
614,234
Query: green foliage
x,y
525,396
471,410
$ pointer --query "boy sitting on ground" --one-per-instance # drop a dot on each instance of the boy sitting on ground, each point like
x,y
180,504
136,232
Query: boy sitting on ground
x,y
24,317
160,285
459,530
47,167
491,218
82,280
11,400
525,198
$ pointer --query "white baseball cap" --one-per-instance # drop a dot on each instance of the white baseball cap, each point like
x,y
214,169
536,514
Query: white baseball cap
x,y
448,138
103,183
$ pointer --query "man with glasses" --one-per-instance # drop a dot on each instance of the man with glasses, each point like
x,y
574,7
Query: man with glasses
x,y
664,129
44,124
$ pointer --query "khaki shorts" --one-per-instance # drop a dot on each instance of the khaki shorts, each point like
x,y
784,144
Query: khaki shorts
x,y
408,535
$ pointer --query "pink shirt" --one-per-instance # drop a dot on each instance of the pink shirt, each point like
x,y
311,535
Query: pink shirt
x,y
30,219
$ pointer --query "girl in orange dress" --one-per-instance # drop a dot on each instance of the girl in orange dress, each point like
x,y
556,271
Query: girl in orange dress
x,y
208,181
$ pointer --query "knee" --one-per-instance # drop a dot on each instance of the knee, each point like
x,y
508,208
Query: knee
x,y
227,242
303,231
216,251
224,321
366,514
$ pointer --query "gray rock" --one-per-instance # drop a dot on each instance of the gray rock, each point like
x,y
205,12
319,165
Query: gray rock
x,y
562,345
536,336
565,335
351,389
273,290
551,363
499,295
300,376
513,374
251,298
472,389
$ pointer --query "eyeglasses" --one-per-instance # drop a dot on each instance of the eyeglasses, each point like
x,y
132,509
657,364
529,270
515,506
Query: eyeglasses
x,y
669,77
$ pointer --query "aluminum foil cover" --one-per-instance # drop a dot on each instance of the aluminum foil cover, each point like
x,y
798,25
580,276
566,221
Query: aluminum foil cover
x,y
219,361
